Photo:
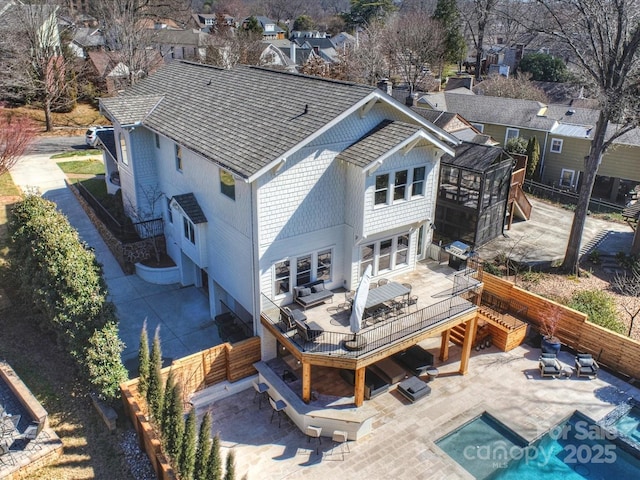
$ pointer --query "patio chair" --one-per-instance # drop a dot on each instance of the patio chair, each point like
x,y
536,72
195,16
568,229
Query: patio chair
x,y
260,392
314,432
383,281
549,365
586,366
307,334
413,300
289,316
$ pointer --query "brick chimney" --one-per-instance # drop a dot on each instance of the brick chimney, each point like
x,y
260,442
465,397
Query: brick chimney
x,y
385,85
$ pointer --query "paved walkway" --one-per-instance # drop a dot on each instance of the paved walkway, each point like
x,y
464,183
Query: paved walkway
x,y
181,313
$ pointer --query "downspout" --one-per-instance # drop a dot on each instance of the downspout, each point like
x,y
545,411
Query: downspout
x,y
544,155
256,278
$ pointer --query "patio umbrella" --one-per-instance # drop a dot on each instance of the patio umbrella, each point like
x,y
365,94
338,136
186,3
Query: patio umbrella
x,y
359,301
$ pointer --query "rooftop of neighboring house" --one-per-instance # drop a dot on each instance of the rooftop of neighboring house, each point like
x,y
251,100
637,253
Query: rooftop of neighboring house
x,y
268,25
240,105
473,156
190,37
88,37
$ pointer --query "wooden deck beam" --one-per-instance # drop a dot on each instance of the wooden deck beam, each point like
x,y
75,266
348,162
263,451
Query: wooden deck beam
x,y
444,346
306,382
358,393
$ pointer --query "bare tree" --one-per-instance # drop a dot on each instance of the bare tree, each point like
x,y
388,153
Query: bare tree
x,y
511,87
33,66
367,60
230,46
283,10
477,16
415,44
16,135
603,39
147,217
628,285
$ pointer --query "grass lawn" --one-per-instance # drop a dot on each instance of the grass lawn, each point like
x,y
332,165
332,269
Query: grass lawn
x,y
7,187
96,187
79,118
88,167
90,450
78,153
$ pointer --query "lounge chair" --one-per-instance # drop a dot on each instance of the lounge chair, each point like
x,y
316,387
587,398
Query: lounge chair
x,y
415,358
288,317
586,366
549,365
307,334
414,389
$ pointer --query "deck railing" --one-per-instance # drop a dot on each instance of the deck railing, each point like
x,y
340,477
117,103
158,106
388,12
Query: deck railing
x,y
370,339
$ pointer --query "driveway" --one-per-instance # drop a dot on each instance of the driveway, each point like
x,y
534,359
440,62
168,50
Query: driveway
x,y
182,313
543,238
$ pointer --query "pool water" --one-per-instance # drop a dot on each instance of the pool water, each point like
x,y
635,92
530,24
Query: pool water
x,y
574,450
629,424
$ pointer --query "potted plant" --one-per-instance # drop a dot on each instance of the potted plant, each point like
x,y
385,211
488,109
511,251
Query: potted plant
x,y
550,343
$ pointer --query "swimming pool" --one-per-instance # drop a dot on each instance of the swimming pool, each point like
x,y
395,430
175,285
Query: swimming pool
x,y
574,450
629,424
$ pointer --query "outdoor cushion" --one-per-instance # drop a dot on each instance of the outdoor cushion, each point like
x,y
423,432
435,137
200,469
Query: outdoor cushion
x,y
585,362
318,288
304,292
548,362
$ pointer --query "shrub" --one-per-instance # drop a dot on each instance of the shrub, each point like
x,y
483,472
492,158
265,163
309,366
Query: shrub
x,y
230,474
106,371
492,268
214,465
143,362
600,307
187,457
59,275
202,452
154,388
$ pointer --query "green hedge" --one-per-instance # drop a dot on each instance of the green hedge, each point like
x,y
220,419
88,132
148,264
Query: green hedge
x,y
58,273
601,308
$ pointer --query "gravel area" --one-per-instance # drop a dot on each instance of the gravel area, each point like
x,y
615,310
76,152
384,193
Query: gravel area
x,y
136,459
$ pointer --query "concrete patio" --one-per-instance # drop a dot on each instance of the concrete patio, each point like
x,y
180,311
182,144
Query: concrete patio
x,y
507,385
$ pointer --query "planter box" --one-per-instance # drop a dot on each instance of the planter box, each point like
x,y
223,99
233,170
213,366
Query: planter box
x,y
158,276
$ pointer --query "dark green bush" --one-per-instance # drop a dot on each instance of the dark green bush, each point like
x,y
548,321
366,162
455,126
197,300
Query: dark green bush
x,y
600,307
58,274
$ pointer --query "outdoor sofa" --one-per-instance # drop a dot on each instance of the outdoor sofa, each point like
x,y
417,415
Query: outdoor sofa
x,y
414,389
373,384
415,358
311,294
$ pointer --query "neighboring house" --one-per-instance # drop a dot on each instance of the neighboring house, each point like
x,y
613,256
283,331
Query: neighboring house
x,y
272,180
270,29
564,134
110,74
86,39
180,44
279,53
207,22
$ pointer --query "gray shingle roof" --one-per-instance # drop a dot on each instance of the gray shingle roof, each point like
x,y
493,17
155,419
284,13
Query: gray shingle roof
x,y
516,112
378,141
191,207
475,157
243,118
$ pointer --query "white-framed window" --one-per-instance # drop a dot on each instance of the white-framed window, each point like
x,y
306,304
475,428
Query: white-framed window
x,y
478,126
282,277
189,230
399,186
227,184
385,255
382,189
296,271
556,145
178,152
417,185
123,149
567,178
511,133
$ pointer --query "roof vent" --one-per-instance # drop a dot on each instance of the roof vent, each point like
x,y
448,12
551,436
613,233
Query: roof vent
x,y
571,112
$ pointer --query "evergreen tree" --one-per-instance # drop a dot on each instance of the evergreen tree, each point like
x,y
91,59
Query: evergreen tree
x,y
447,14
214,464
154,388
143,362
187,457
173,429
167,402
202,452
230,474
533,154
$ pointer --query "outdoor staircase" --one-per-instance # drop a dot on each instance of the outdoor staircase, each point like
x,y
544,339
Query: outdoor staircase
x,y
457,334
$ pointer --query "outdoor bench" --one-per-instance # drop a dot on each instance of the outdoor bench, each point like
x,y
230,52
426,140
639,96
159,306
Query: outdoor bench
x,y
312,293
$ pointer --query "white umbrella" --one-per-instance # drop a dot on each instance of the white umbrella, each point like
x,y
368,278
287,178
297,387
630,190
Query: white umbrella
x,y
359,301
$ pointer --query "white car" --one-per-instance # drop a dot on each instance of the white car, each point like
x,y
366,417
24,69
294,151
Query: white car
x,y
91,137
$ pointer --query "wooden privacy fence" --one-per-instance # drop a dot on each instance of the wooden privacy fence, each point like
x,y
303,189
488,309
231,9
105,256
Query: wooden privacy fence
x,y
619,353
229,362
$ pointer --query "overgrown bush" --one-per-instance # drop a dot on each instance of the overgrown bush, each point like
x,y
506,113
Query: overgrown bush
x,y
600,306
59,275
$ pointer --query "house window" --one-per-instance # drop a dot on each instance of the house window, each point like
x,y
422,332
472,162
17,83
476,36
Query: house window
x,y
169,212
478,126
283,274
400,185
178,149
123,149
189,230
303,270
385,255
511,133
227,184
567,178
382,187
323,266
417,187
157,141
556,145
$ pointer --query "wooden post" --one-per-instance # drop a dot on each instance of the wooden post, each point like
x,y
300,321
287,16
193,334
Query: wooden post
x,y
444,346
469,335
306,382
358,393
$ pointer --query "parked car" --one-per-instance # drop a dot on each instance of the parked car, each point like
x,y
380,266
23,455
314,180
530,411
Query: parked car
x,y
91,137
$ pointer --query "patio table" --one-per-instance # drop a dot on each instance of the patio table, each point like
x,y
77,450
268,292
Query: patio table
x,y
385,293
